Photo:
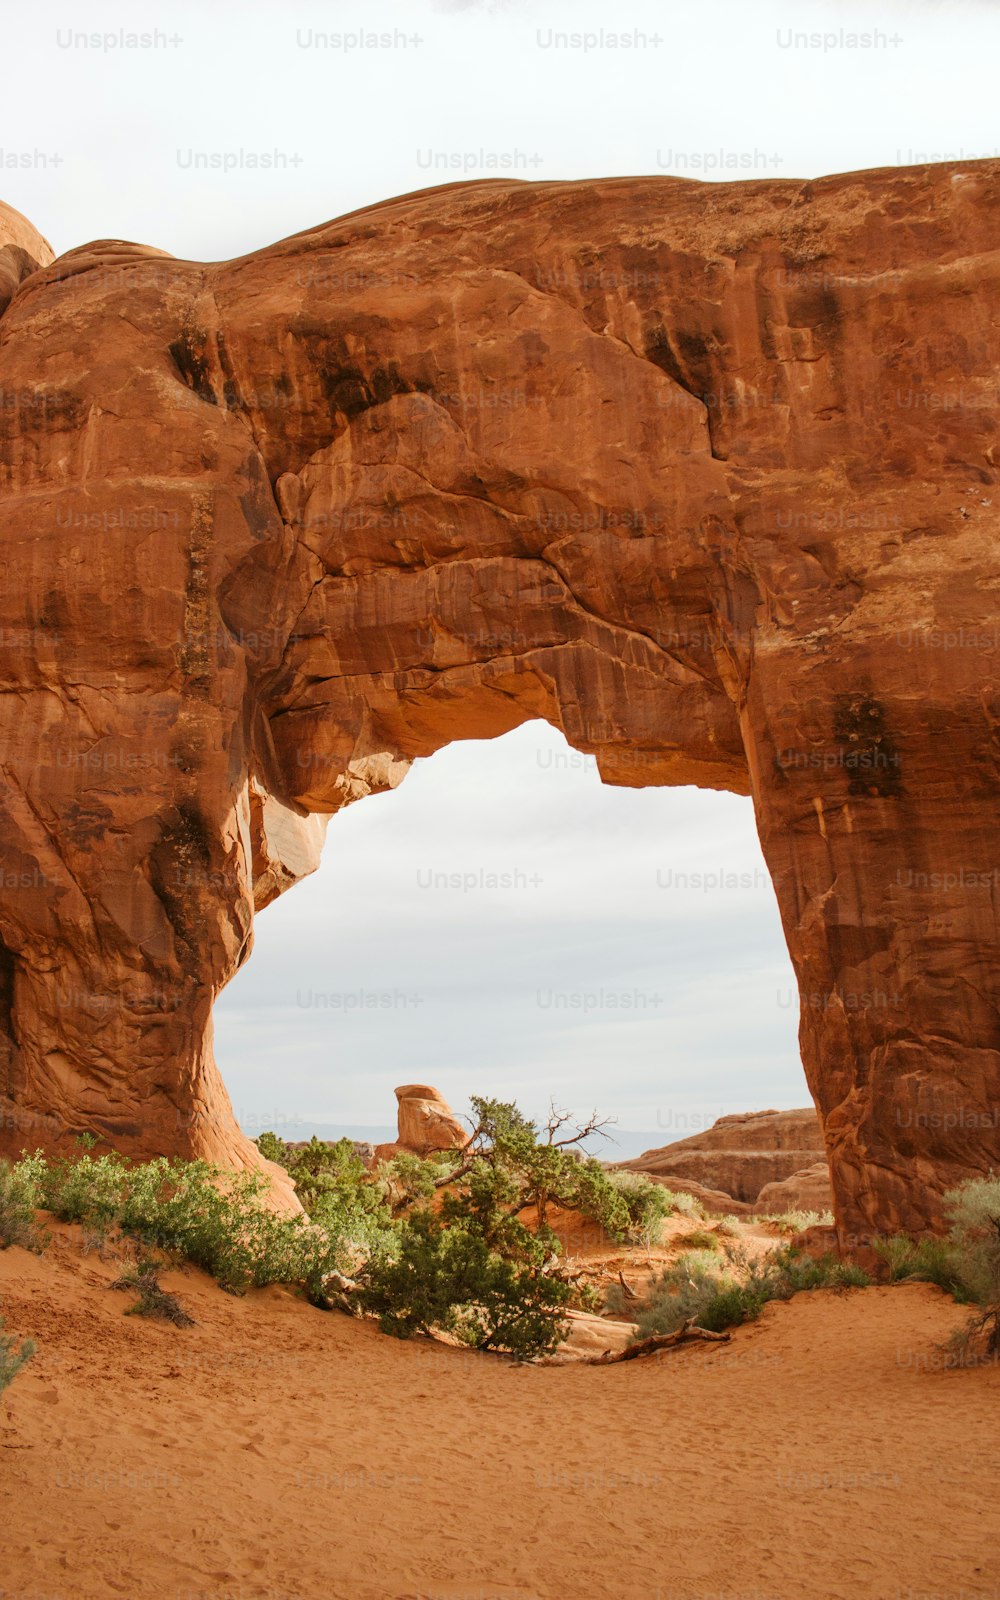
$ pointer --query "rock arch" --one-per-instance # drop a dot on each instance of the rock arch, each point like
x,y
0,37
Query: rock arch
x,y
702,474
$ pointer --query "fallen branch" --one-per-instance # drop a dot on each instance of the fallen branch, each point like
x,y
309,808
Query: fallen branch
x,y
660,1341
630,1293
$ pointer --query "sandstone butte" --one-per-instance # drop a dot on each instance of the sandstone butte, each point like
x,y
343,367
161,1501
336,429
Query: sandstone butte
x,y
705,475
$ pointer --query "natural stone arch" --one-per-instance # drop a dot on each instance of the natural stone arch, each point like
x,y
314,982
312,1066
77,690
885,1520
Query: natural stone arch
x,y
642,457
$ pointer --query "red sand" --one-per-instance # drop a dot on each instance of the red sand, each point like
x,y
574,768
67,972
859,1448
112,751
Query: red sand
x,y
274,1451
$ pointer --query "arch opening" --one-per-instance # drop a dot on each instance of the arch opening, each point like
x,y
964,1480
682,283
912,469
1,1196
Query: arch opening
x,y
504,923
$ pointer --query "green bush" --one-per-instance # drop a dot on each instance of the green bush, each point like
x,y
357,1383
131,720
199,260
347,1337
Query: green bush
x,y
217,1220
341,1196
82,1189
512,1166
439,1244
797,1221
966,1264
447,1280
153,1300
700,1239
19,1200
274,1149
647,1204
922,1261
723,1294
12,1356
973,1209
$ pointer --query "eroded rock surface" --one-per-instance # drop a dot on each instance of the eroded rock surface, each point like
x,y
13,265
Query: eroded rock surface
x,y
808,1190
425,1122
738,1155
703,474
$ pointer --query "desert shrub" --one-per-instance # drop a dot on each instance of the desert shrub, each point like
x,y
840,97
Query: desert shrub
x,y
935,1262
899,1252
722,1294
973,1210
153,1300
800,1271
273,1148
19,1200
681,1291
923,1261
408,1179
967,1263
217,1220
700,1239
84,1189
12,1356
447,1279
647,1205
220,1222
511,1166
730,1227
341,1196
796,1221
321,1166
684,1204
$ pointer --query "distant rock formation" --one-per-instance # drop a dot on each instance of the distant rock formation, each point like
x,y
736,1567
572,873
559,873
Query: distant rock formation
x,y
808,1190
742,1157
704,474
425,1123
22,251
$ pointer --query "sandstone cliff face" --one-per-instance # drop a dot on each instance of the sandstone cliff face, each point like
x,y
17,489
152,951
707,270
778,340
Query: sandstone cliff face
x,y
702,474
738,1155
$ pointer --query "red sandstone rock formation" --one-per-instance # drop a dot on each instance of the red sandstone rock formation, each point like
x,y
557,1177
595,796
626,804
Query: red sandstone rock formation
x,y
703,474
425,1122
808,1190
738,1155
22,252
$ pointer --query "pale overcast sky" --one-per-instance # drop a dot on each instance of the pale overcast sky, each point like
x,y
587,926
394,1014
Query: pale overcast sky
x,y
591,977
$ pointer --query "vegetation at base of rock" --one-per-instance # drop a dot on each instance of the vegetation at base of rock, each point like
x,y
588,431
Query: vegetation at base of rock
x,y
966,1263
189,1210
446,1279
462,1243
334,1187
797,1221
12,1356
478,1220
18,1202
720,1294
153,1300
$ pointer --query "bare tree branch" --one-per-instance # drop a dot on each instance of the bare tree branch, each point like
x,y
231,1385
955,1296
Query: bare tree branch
x,y
659,1341
558,1119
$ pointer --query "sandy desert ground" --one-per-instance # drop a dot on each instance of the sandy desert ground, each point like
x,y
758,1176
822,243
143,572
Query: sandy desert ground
x,y
275,1451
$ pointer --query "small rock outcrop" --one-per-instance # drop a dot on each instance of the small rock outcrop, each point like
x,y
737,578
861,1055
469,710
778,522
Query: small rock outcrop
x,y
425,1123
808,1190
22,252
